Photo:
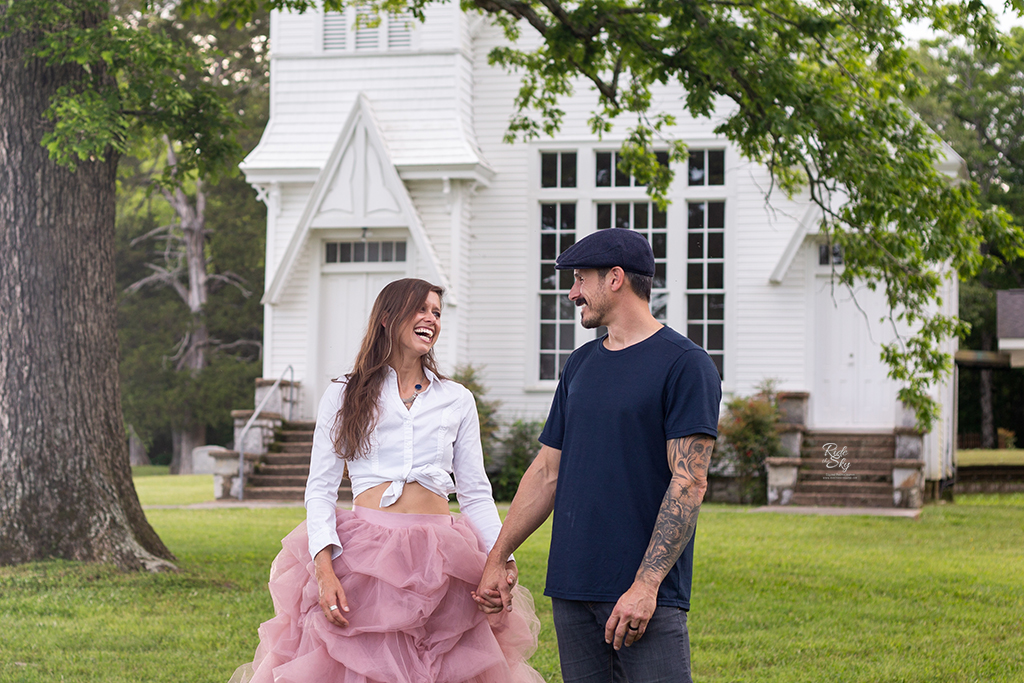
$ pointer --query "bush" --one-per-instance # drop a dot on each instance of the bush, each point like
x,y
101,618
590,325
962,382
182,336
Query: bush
x,y
521,448
468,376
750,436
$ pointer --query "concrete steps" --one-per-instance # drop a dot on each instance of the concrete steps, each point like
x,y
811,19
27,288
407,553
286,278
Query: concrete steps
x,y
281,474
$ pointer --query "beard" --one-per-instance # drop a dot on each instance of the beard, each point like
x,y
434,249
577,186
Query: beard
x,y
596,313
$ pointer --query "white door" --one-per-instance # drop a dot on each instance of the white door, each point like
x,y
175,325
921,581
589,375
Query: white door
x,y
851,387
345,303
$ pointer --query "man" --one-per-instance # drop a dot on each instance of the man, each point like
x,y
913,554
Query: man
x,y
623,464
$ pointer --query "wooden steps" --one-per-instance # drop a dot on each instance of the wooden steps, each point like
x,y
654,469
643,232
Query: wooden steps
x,y
847,469
281,474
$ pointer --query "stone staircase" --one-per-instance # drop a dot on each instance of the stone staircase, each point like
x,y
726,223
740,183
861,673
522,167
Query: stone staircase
x,y
281,473
846,469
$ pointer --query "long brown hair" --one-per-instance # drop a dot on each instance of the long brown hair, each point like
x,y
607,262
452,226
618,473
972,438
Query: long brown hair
x,y
357,418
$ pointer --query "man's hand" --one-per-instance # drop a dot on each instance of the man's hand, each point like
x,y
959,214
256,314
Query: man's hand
x,y
631,615
494,593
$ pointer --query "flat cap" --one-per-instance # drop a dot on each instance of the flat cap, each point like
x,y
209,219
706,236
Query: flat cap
x,y
610,247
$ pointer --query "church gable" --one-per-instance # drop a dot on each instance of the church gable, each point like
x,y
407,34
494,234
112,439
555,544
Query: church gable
x,y
357,188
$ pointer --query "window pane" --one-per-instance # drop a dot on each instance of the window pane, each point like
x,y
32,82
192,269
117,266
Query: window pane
x,y
716,167
547,216
695,307
566,240
548,307
622,215
716,245
387,251
659,241
719,362
697,167
604,216
565,279
695,246
716,307
837,255
399,251
332,252
640,215
359,252
716,215
696,217
621,179
345,252
567,337
715,277
659,276
603,177
715,338
547,336
549,170
548,277
547,366
373,252
568,216
696,334
562,357
662,158
659,305
823,254
568,169
695,276
548,245
659,220
566,308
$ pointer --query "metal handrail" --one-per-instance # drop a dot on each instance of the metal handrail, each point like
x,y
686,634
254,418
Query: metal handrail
x,y
256,413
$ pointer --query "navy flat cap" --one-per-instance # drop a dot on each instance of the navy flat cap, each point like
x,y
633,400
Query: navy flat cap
x,y
610,247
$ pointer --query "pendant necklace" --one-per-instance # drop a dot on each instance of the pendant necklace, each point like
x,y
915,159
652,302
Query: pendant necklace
x,y
408,401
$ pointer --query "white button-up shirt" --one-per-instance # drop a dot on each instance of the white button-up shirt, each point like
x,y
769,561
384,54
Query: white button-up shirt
x,y
439,435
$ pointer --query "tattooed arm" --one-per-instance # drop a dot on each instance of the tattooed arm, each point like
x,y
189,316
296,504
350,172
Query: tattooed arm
x,y
688,459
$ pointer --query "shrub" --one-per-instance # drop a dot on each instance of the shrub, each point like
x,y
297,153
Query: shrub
x,y
521,448
750,436
468,376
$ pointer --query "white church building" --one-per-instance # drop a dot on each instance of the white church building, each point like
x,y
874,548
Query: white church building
x,y
384,158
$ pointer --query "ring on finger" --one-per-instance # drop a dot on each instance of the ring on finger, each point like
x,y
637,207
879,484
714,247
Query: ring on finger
x,y
333,608
633,628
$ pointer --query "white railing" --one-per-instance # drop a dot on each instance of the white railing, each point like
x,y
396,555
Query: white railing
x,y
256,413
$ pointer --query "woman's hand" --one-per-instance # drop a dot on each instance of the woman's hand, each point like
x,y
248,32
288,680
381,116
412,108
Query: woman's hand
x,y
497,596
332,595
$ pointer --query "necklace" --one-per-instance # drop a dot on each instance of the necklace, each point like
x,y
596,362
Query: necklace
x,y
408,401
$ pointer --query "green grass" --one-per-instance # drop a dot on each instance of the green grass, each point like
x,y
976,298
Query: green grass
x,y
776,598
182,489
978,456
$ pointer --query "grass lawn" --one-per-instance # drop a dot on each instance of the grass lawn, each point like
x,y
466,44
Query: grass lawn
x,y
776,598
155,487
1002,456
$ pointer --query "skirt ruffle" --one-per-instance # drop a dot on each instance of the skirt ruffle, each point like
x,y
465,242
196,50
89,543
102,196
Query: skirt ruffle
x,y
407,579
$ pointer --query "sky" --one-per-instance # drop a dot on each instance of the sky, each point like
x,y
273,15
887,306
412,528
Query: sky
x,y
1007,19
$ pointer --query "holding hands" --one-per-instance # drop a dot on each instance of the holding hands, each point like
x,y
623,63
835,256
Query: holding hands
x,y
494,593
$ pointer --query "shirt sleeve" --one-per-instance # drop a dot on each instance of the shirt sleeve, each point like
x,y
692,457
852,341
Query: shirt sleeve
x,y
326,470
472,486
694,395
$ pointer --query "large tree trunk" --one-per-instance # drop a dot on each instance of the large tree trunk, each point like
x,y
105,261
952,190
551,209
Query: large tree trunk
x,y
65,483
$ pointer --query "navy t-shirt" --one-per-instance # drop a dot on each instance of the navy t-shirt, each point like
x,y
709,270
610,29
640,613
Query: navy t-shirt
x,y
611,416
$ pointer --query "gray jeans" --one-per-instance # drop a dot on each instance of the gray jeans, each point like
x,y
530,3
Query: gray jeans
x,y
661,656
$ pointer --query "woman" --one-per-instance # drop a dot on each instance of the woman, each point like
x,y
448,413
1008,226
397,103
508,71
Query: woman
x,y
388,594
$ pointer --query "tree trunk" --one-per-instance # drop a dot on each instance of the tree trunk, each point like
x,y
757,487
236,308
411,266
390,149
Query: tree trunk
x,y
184,440
65,483
137,455
988,429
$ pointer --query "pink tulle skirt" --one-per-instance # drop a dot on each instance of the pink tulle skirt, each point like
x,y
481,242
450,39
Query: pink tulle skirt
x,y
407,579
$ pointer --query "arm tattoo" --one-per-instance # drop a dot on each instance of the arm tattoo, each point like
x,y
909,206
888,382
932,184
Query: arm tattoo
x,y
688,459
